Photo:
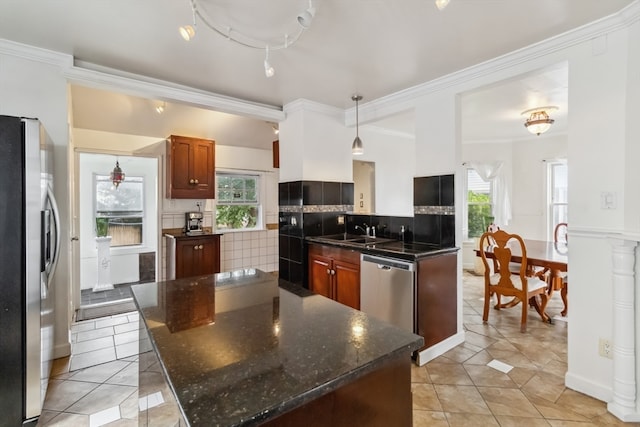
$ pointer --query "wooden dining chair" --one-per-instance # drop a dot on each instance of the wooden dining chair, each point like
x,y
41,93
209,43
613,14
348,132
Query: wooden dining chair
x,y
497,245
561,281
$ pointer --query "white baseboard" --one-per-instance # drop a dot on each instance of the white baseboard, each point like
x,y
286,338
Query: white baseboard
x,y
62,350
624,414
439,349
588,387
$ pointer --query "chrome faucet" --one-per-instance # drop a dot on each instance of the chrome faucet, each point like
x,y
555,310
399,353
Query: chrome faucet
x,y
365,230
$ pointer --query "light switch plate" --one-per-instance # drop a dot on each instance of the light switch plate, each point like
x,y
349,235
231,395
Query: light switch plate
x,y
608,200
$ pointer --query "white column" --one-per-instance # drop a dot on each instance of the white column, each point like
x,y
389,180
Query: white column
x,y
103,279
624,405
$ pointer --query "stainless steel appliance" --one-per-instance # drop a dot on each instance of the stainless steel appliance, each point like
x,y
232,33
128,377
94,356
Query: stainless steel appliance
x,y
387,290
28,255
194,223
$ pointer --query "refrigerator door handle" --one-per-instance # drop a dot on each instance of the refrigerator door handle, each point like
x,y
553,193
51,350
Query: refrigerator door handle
x,y
56,220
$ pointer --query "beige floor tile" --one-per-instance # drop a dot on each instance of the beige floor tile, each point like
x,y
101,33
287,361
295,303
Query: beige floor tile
x,y
63,393
102,397
457,398
553,411
483,375
446,373
508,401
582,404
521,376
609,419
471,420
129,408
481,358
92,358
562,423
479,340
67,420
429,419
126,376
424,397
460,354
419,374
546,386
510,421
100,373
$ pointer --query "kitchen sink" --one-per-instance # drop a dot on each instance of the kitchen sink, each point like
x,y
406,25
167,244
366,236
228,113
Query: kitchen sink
x,y
357,239
342,236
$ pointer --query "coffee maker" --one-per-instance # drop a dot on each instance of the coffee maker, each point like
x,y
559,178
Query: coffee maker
x,y
194,223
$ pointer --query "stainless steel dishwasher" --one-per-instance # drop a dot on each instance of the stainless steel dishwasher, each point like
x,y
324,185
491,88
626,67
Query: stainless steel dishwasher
x,y
387,290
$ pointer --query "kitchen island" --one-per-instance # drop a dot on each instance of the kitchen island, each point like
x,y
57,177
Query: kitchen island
x,y
243,348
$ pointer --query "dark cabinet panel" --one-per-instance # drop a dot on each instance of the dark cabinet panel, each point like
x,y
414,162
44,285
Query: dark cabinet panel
x,y
197,256
190,168
335,273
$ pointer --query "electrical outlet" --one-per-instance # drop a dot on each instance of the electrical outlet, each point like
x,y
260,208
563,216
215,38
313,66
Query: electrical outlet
x,y
605,348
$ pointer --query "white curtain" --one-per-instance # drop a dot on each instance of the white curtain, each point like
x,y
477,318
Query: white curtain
x,y
492,172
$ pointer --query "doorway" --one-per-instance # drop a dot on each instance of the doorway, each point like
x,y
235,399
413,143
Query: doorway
x,y
117,231
364,187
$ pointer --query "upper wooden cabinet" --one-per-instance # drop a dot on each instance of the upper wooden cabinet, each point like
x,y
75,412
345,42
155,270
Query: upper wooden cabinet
x,y
191,170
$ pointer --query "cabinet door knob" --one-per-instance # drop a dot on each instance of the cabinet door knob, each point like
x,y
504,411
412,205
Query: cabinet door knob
x,y
328,271
333,272
191,181
201,246
196,181
195,248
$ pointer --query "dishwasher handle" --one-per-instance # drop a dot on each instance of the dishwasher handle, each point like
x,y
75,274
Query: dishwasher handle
x,y
388,263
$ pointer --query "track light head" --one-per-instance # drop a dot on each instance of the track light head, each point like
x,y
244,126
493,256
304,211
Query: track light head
x,y
441,4
187,32
306,17
269,71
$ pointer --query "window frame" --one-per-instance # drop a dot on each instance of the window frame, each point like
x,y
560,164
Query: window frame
x,y
260,199
101,178
467,204
550,194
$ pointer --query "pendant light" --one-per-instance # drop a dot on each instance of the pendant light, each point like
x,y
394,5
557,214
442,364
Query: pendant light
x,y
356,148
117,176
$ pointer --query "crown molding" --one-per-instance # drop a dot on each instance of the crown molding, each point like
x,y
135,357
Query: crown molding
x,y
32,53
405,99
388,132
136,85
302,104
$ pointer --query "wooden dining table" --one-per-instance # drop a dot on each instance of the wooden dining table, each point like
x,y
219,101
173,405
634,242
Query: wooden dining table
x,y
551,256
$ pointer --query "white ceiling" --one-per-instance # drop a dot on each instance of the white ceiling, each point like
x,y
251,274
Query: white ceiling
x,y
371,47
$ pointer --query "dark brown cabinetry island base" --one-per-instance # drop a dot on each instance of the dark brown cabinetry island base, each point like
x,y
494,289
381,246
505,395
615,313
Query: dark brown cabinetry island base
x,y
270,353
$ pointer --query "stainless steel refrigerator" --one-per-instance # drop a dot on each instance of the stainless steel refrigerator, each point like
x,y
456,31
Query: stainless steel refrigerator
x,y
29,248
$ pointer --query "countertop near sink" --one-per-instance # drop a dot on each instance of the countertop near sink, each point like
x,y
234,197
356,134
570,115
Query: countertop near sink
x,y
179,233
242,348
382,246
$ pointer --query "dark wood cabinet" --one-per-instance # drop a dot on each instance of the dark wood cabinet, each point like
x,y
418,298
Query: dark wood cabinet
x,y
193,256
437,298
190,168
335,273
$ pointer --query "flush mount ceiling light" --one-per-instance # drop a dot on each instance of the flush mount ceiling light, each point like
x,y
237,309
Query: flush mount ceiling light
x,y
441,4
117,176
277,42
356,148
160,108
538,120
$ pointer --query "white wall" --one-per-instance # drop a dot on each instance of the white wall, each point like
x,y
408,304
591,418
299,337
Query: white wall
x,y
395,163
124,260
314,144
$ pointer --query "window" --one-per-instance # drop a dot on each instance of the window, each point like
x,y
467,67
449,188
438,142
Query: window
x,y
557,194
238,202
479,207
120,211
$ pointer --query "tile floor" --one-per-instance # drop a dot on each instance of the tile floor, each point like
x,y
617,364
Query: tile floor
x,y
97,385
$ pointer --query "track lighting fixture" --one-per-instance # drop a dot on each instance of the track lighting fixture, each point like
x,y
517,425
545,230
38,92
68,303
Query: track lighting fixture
x,y
268,69
356,148
189,31
305,18
441,4
211,17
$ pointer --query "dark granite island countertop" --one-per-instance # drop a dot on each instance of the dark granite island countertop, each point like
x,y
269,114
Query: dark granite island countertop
x,y
242,348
